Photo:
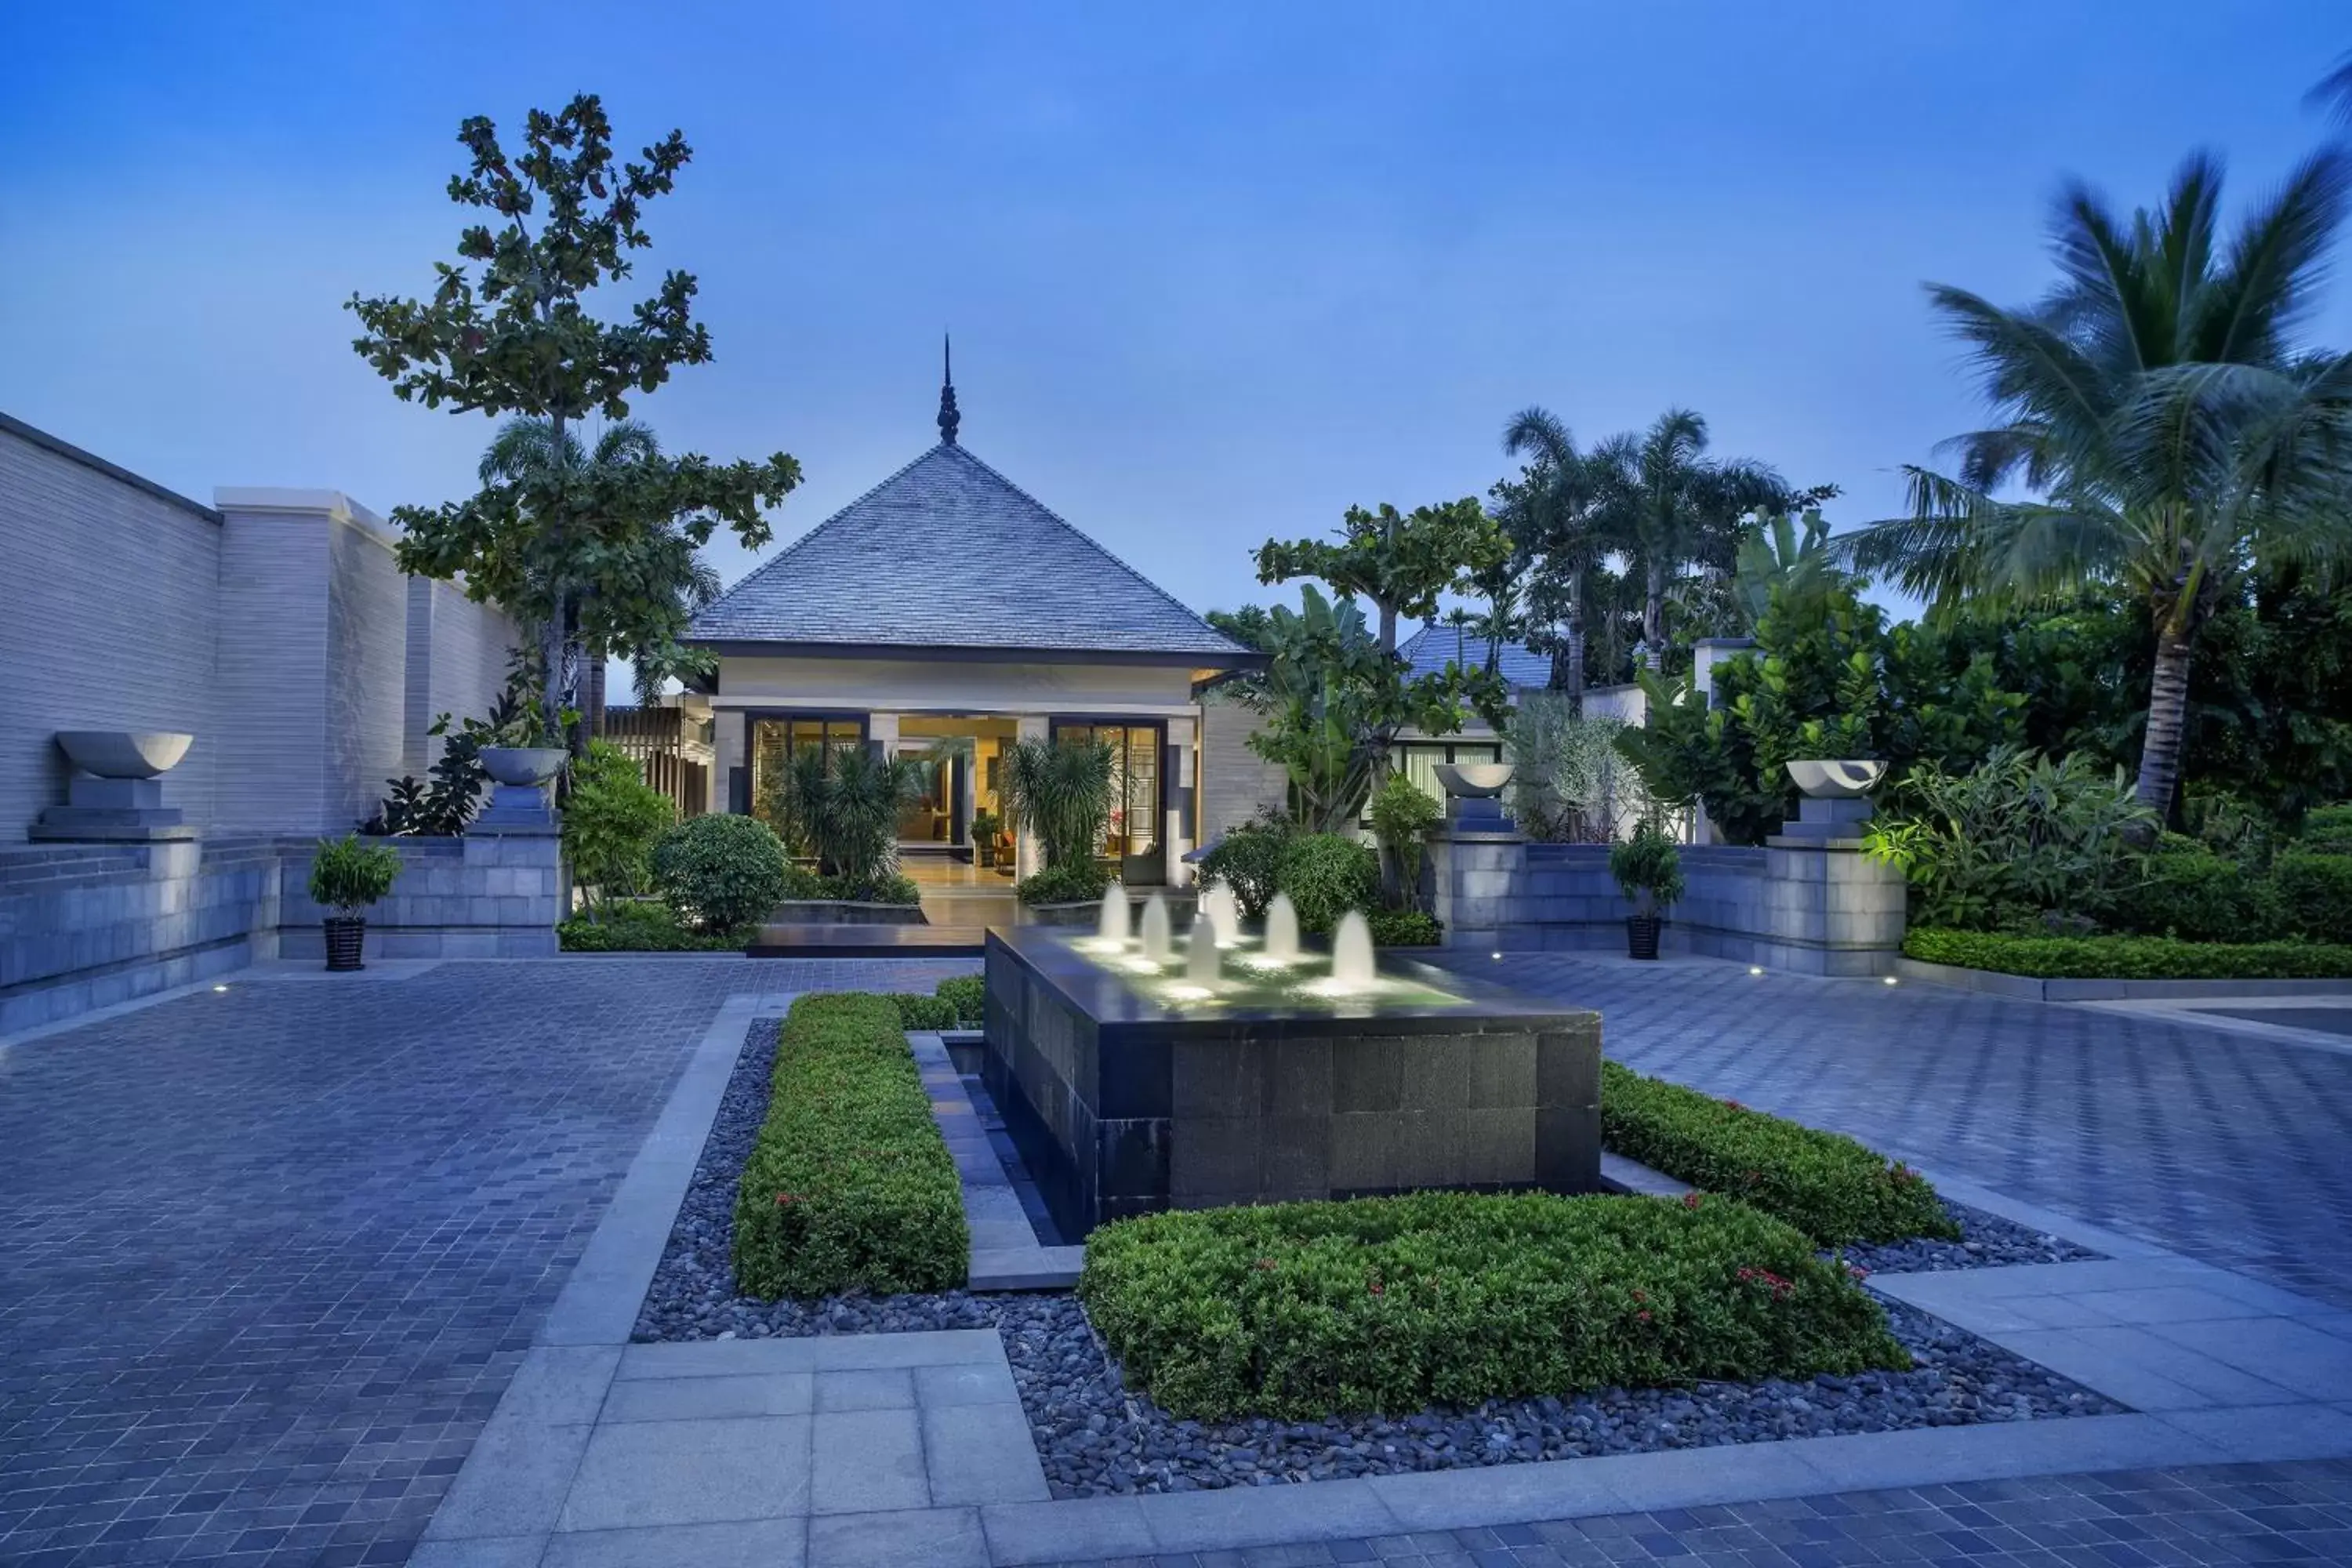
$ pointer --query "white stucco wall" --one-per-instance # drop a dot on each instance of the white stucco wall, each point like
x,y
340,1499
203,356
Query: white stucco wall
x,y
951,686
107,621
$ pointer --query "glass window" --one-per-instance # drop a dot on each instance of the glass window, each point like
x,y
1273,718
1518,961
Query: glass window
x,y
773,743
1134,826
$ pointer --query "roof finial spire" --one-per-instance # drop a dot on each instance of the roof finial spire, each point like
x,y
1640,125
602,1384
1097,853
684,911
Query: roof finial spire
x,y
949,417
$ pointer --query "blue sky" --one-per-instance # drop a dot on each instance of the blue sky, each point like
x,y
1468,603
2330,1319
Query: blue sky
x,y
1215,271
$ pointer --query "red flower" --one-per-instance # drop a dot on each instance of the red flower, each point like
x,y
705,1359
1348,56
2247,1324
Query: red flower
x,y
1735,1105
1690,1200
1644,1316
1376,1288
783,1198
1857,1270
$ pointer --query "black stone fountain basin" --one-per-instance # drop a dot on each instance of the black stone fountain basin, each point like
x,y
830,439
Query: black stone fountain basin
x,y
1124,1103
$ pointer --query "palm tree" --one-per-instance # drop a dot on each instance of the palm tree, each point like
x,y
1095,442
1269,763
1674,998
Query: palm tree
x,y
1549,513
2168,430
2334,92
1671,507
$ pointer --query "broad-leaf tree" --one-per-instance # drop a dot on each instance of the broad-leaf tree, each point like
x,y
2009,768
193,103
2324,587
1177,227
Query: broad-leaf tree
x,y
2156,425
1673,508
1400,564
508,332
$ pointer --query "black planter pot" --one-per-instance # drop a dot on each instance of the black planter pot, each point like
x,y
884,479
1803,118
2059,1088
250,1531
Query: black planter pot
x,y
1642,935
346,938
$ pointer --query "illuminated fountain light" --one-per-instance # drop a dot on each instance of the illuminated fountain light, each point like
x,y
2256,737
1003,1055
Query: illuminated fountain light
x,y
1112,925
1281,931
1201,962
1351,952
1224,911
1158,939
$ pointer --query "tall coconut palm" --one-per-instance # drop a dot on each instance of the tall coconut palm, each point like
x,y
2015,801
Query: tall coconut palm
x,y
2167,429
1549,513
1673,507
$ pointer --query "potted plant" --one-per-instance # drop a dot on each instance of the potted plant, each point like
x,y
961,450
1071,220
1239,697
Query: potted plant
x,y
983,837
347,875
1649,869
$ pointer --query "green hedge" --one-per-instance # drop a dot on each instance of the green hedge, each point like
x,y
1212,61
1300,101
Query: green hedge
x,y
2316,888
1305,1311
1826,1184
927,1012
618,927
968,996
1406,928
2129,957
849,1185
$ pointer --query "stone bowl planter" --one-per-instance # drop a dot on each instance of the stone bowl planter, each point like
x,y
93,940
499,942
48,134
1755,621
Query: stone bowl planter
x,y
125,754
1475,781
1823,780
522,766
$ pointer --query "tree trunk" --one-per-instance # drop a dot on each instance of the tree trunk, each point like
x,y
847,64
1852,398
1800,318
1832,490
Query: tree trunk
x,y
1653,612
2168,720
1388,627
1576,660
550,653
596,675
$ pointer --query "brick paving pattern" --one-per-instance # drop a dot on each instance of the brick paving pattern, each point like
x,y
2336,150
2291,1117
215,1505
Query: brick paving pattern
x,y
2230,1513
268,1257
2228,1147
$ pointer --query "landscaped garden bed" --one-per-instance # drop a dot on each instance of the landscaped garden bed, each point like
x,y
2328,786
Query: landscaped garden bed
x,y
642,926
2127,957
1097,1435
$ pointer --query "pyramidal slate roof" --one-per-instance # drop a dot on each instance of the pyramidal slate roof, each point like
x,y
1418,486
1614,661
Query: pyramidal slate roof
x,y
1432,648
948,554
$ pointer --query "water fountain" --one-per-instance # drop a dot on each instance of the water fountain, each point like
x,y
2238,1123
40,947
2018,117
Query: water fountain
x,y
1223,910
1201,962
1158,938
1353,967
1112,927
1281,931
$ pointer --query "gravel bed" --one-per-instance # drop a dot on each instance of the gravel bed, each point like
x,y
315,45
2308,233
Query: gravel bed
x,y
1987,1241
1097,1439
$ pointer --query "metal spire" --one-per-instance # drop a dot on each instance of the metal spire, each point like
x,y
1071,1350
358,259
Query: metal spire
x,y
949,417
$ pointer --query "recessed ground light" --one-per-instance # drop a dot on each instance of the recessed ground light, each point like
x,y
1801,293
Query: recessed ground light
x,y
220,987
1498,957
1890,979
1755,969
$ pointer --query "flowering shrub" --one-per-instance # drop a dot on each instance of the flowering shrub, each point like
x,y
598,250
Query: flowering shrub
x,y
1304,1310
849,1185
1827,1185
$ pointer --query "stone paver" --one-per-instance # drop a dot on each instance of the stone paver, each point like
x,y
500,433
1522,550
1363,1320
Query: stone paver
x,y
270,1256
2225,1145
2232,1513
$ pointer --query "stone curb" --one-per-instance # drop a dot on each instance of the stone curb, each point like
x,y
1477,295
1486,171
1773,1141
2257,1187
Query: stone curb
x,y
2032,988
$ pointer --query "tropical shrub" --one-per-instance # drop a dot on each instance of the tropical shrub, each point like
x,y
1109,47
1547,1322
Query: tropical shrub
x,y
1300,1312
1406,928
1570,784
1248,859
1648,868
849,1185
2317,891
917,1011
720,872
1401,812
2185,890
443,802
1060,790
1072,882
893,887
2127,957
1829,1186
611,819
2018,837
1326,875
347,875
967,994
636,925
2328,831
844,801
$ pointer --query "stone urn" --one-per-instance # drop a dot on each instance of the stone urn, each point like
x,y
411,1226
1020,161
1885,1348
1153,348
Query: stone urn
x,y
522,766
1821,780
1836,801
125,754
115,796
1472,795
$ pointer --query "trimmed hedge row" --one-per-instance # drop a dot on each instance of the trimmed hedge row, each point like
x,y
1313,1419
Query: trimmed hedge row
x,y
2129,957
618,927
1833,1189
849,1185
1303,1310
959,1003
969,992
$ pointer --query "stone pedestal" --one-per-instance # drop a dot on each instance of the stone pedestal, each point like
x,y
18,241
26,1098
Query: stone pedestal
x,y
1475,876
1830,908
518,809
112,811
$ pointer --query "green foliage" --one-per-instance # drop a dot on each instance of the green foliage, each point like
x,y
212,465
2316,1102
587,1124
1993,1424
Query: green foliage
x,y
348,875
967,994
1402,811
1399,562
2019,837
611,819
1773,557
720,872
640,925
1406,928
2328,831
1061,792
1326,875
926,1012
1570,784
444,803
844,802
1827,1185
849,1185
895,888
1072,882
2185,890
585,548
1248,859
1301,1312
2127,957
1648,868
2317,891
984,827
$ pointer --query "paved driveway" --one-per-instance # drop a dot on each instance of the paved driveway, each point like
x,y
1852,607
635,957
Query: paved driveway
x,y
270,1257
2232,1148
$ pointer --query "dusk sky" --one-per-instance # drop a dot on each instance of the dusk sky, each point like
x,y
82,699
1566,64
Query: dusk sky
x,y
1215,271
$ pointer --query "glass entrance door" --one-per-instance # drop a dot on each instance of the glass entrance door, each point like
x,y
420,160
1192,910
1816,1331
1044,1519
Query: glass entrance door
x,y
1131,838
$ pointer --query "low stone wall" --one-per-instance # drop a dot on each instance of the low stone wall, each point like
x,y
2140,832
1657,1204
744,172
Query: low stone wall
x,y
89,925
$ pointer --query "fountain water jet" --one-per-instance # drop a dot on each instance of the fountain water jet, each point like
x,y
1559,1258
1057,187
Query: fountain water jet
x,y
1201,961
1352,967
1159,941
1281,931
1112,927
1224,911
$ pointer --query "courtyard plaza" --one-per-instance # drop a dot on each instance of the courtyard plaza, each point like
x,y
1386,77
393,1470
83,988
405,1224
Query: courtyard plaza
x,y
276,1247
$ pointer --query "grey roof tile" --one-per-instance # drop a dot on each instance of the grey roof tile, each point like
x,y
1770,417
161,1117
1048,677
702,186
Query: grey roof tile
x,y
1432,648
947,552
